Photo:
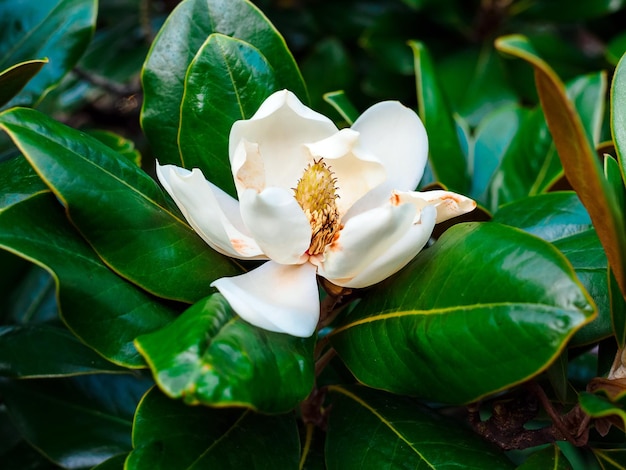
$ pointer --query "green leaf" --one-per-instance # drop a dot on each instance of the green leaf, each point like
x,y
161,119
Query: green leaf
x,y
618,113
446,156
76,422
57,29
511,304
579,160
36,229
340,102
227,80
599,406
611,459
46,351
371,429
118,143
13,79
211,356
176,45
167,435
18,181
548,458
114,463
33,300
118,208
560,218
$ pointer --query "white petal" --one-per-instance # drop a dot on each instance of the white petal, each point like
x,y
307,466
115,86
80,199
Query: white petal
x,y
277,223
280,127
448,204
275,297
357,173
376,244
397,137
212,213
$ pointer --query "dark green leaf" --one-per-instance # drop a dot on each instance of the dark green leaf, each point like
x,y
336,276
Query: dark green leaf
x,y
446,156
209,355
18,181
176,45
579,160
486,307
76,422
34,300
118,143
13,79
168,435
118,208
118,312
371,429
226,81
114,463
340,102
549,458
46,351
57,29
560,218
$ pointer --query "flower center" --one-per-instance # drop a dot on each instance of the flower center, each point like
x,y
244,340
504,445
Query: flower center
x,y
316,194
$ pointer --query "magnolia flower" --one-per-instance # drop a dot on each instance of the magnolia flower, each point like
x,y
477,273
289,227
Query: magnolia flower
x,y
314,201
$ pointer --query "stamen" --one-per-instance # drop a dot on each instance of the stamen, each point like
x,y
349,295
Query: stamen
x,y
316,193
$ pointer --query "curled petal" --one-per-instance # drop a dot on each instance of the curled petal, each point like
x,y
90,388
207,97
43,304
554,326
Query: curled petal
x,y
357,173
448,204
277,223
397,137
275,297
280,127
212,213
375,244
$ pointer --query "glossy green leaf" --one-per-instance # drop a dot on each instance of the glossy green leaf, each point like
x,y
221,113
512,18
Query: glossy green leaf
x,y
618,112
76,422
611,459
209,355
599,406
395,432
118,208
18,181
101,308
446,156
176,45
168,435
579,160
227,80
118,143
560,218
549,458
47,351
13,79
511,303
340,102
58,30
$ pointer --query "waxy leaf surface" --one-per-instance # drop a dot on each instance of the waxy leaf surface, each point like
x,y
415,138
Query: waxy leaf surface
x,y
485,308
394,432
13,79
175,47
211,356
118,208
227,81
101,308
168,435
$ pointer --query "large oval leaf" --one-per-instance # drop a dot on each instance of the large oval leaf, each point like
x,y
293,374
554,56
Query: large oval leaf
x,y
227,80
168,435
76,422
118,208
209,355
176,45
486,307
394,432
57,29
101,308
581,165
